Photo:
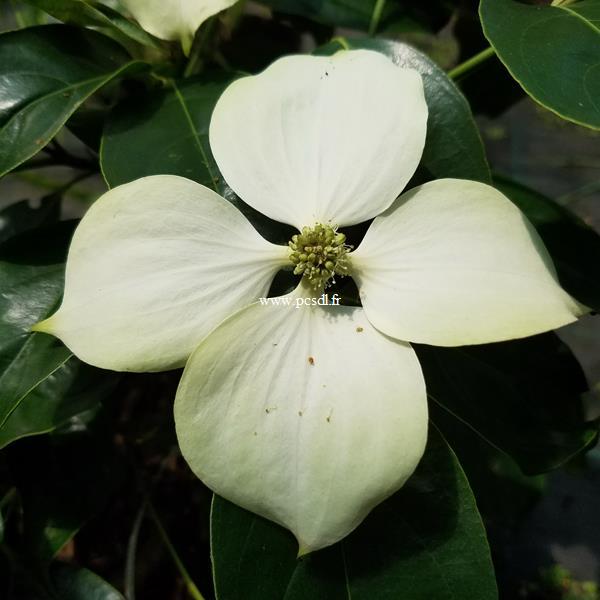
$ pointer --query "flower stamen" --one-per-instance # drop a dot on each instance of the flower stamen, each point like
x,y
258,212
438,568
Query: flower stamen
x,y
319,253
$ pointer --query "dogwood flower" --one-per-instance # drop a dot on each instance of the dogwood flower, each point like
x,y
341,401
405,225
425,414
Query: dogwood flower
x,y
312,416
175,19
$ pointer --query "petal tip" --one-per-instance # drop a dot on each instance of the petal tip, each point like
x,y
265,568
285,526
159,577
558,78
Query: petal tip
x,y
304,549
44,326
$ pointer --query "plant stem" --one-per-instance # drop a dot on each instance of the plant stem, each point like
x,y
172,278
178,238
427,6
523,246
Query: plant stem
x,y
191,586
376,16
131,553
471,63
341,41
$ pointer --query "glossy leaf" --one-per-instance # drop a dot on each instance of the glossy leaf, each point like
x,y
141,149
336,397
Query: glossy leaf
x,y
573,245
552,51
57,399
427,541
46,73
167,133
90,13
453,147
41,384
33,281
70,583
522,396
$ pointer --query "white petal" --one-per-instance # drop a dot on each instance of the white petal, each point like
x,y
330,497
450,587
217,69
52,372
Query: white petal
x,y
175,19
321,138
454,262
307,416
154,266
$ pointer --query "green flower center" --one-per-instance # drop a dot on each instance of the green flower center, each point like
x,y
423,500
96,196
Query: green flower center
x,y
319,253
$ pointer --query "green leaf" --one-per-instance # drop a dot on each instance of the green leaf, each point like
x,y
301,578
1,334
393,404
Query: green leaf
x,y
88,13
427,541
34,287
522,396
47,72
42,385
32,369
166,132
64,480
552,51
70,583
343,13
358,14
163,132
573,245
20,217
453,147
87,124
57,399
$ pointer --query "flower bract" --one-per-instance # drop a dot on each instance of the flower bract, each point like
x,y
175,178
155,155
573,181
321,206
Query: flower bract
x,y
309,415
175,19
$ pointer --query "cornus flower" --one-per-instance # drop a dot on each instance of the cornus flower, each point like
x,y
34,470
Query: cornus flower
x,y
308,417
175,19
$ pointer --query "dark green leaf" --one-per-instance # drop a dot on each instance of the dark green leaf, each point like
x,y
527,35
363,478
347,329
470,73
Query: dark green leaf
x,y
33,287
574,247
522,396
70,583
504,494
552,51
47,72
64,582
20,217
358,14
166,132
163,132
57,399
63,480
268,38
42,385
32,369
453,147
344,13
88,124
88,13
425,542
17,581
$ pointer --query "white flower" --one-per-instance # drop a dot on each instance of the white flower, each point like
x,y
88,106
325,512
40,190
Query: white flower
x,y
311,416
175,19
